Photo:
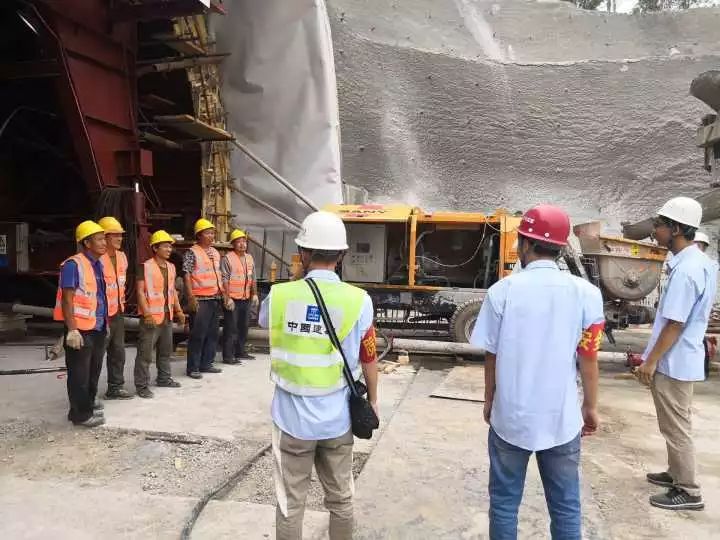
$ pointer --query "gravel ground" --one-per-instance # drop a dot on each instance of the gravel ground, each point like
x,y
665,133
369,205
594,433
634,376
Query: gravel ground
x,y
117,459
257,485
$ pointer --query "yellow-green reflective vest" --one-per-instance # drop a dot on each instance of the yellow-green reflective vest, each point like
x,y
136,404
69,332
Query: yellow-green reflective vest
x,y
303,359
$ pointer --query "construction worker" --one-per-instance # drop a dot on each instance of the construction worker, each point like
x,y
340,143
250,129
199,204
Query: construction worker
x,y
702,241
203,287
674,356
115,266
81,303
240,293
310,412
158,303
536,326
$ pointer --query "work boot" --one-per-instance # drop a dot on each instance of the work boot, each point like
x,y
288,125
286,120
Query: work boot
x,y
195,375
232,361
245,356
677,499
170,383
660,479
145,393
118,393
93,421
211,369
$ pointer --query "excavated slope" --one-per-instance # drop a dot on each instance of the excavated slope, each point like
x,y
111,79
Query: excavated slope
x,y
455,104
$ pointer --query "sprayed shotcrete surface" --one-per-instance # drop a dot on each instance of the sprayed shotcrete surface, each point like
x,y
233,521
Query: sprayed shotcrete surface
x,y
475,105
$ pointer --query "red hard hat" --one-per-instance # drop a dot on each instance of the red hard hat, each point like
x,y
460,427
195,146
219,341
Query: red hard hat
x,y
546,223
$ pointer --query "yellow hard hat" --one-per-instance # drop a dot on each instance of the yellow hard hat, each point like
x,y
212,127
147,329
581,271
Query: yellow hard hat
x,y
203,224
87,228
159,237
111,225
237,233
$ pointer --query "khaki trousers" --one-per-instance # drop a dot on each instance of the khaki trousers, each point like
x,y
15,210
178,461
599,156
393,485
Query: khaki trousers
x,y
293,463
673,404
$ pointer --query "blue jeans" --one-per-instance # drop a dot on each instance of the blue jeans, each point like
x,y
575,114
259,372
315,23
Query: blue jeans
x,y
559,470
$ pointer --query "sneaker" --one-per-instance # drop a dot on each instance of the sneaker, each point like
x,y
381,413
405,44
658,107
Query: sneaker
x,y
170,383
195,375
211,369
660,479
145,393
93,421
232,361
677,499
98,406
119,393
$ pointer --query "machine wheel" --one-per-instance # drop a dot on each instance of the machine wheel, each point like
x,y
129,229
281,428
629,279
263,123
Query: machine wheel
x,y
463,320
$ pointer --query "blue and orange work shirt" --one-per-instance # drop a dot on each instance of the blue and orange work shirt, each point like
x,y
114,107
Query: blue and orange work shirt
x,y
70,279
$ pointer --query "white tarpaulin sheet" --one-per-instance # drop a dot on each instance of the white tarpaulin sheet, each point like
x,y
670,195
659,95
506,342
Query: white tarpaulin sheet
x,y
280,94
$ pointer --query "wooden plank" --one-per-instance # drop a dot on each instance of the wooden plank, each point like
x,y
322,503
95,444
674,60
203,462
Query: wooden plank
x,y
193,127
464,383
181,45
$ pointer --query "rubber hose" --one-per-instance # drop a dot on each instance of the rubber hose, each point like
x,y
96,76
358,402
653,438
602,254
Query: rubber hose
x,y
31,371
388,345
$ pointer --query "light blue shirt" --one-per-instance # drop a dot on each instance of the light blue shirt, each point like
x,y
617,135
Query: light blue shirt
x,y
533,322
314,418
688,299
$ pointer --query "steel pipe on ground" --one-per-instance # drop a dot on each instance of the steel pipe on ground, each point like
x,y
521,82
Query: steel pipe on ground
x,y
420,346
445,348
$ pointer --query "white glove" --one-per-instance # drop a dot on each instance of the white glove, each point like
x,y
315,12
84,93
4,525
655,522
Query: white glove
x,y
74,339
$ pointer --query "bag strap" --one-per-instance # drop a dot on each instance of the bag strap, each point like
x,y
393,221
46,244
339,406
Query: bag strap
x,y
331,333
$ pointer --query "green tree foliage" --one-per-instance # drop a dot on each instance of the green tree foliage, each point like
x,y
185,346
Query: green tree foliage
x,y
660,5
587,4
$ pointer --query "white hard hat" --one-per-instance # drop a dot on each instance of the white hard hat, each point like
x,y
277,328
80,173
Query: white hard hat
x,y
682,210
322,230
702,237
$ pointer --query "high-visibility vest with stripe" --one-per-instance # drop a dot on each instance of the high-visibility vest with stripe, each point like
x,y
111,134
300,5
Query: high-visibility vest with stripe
x,y
115,281
241,272
154,293
302,358
205,277
85,300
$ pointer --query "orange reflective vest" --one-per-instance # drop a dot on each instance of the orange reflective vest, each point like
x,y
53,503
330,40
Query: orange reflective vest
x,y
241,275
85,300
205,277
115,281
154,293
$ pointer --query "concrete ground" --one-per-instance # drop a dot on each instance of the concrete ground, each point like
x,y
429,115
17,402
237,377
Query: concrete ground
x,y
424,476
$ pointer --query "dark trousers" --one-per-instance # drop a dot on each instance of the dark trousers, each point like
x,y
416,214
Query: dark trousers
x,y
83,371
153,341
235,330
116,353
204,330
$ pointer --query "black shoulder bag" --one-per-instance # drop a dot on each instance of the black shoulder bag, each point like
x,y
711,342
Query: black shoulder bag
x,y
362,416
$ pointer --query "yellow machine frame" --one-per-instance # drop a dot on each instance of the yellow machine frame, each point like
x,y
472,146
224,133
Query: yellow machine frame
x,y
503,222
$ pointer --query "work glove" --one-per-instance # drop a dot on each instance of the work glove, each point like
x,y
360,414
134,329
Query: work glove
x,y
74,339
149,321
255,300
180,318
230,304
192,304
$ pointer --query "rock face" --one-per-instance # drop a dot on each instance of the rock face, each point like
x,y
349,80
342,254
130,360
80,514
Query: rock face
x,y
473,105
